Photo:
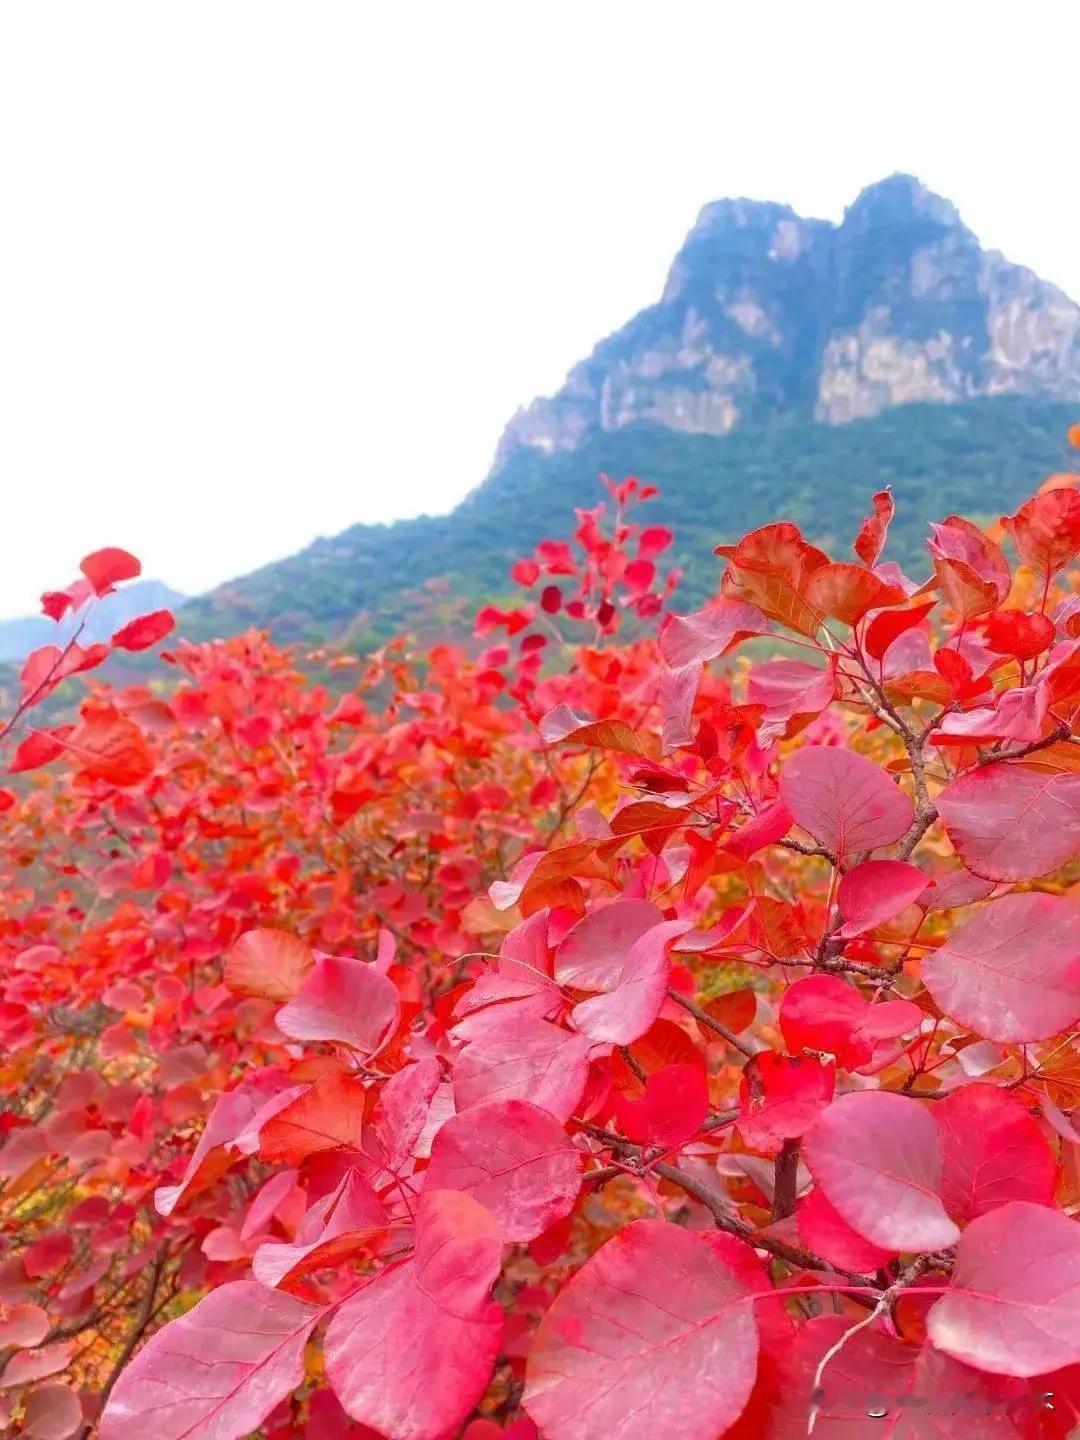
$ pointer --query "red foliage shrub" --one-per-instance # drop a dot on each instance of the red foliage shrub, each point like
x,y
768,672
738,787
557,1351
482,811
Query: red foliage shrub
x,y
571,1039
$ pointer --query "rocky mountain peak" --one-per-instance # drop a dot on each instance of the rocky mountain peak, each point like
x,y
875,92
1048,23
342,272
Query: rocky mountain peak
x,y
767,315
895,201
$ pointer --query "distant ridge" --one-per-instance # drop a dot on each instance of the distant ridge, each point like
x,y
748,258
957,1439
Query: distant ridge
x,y
790,367
18,637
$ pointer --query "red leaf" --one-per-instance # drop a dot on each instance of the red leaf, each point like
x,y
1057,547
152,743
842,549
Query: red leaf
x,y
992,1152
1046,530
56,603
735,1009
890,625
412,1352
23,1326
525,572
844,800
846,592
771,823
1013,632
877,1159
826,1013
106,568
342,1000
1009,822
878,1388
1013,1306
143,632
971,570
232,1113
217,1372
37,1364
678,691
871,538
270,963
672,1110
40,748
781,1097
876,891
107,746
654,1336
1012,972
512,1157
825,1231
327,1116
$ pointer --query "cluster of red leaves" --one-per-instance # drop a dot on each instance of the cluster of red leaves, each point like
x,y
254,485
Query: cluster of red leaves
x,y
572,1040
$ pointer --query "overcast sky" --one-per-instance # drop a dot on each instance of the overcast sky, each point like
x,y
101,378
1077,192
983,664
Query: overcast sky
x,y
267,270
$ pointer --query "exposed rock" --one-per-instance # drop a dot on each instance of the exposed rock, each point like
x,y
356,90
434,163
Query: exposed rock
x,y
766,314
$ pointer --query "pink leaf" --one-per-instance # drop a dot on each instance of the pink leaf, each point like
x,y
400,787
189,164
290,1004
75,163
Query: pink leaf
x,y
36,1364
592,953
877,1159
790,690
536,1061
342,1000
402,1111
654,1336
781,1097
1013,1306
520,984
678,690
53,1412
992,1152
709,633
24,1325
412,1352
825,1231
1012,972
635,1000
1008,822
876,891
846,802
512,1157
622,950
265,1204
217,1372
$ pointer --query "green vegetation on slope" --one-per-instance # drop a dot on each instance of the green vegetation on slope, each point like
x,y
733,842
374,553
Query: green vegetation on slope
x,y
980,459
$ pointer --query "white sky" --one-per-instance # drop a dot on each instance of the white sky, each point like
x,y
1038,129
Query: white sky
x,y
270,269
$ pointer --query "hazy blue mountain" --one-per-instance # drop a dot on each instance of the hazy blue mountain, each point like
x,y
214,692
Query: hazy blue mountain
x,y
18,637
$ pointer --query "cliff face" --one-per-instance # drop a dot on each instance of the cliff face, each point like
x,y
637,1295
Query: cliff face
x,y
767,315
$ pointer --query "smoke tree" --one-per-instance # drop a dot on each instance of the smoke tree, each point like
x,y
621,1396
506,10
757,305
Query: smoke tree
x,y
643,1024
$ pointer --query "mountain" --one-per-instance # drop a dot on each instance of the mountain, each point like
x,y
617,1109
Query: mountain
x,y
18,637
790,367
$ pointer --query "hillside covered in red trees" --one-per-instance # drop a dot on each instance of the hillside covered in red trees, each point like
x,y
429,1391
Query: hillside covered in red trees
x,y
640,1023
